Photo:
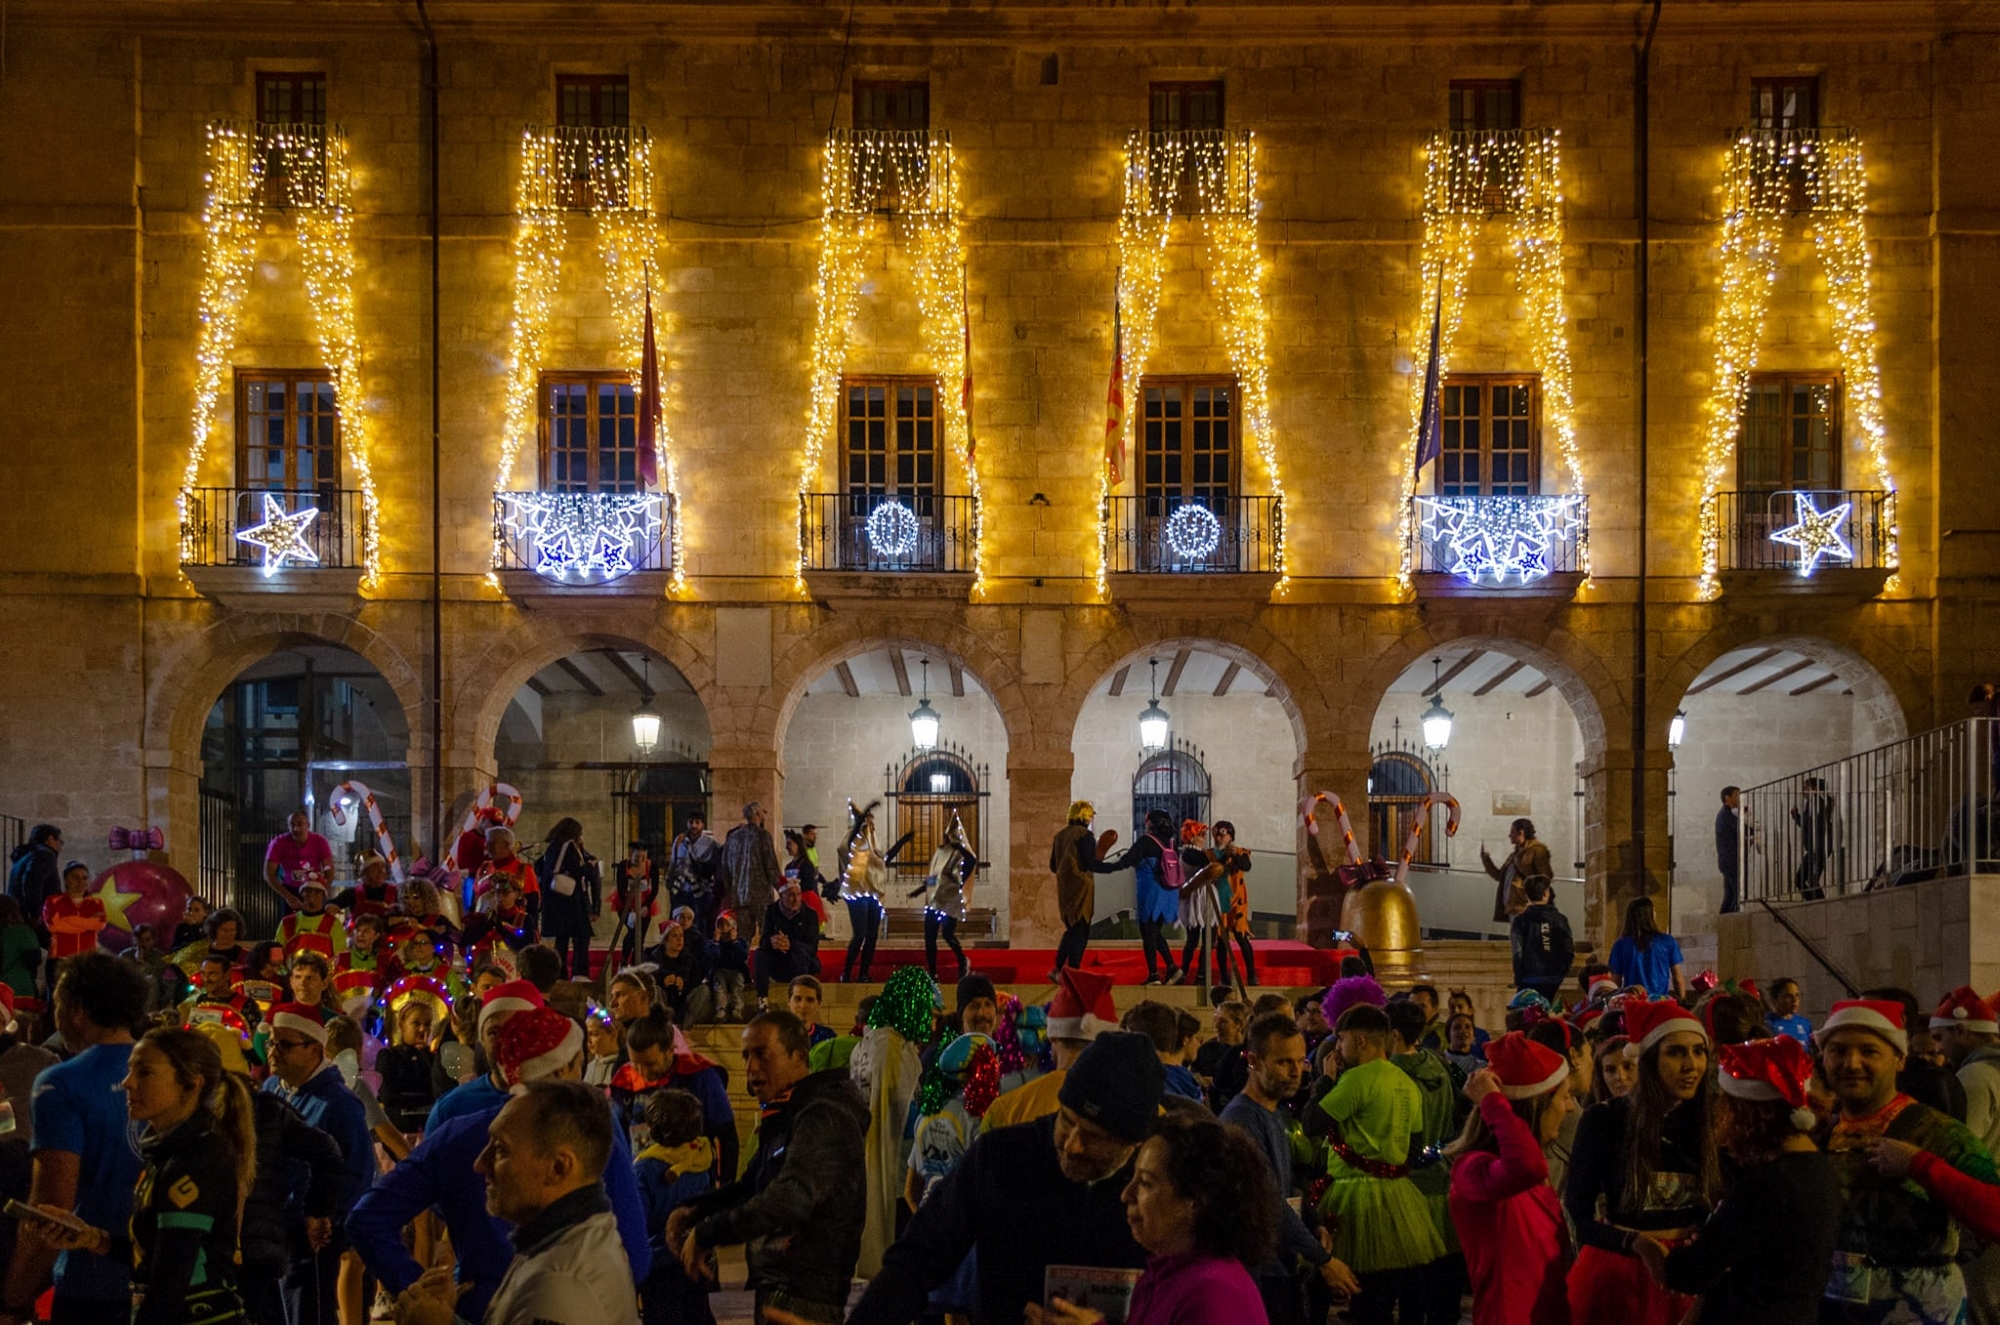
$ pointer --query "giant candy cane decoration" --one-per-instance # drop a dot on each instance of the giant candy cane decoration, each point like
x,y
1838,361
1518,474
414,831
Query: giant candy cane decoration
x,y
1417,829
493,792
1306,807
367,798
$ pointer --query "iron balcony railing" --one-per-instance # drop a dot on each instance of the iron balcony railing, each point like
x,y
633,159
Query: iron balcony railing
x,y
288,163
1505,542
1921,808
1492,172
583,538
1796,171
1190,172
214,520
1192,535
1804,530
903,170
587,167
887,531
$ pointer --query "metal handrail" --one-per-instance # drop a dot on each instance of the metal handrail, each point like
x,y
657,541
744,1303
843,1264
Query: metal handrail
x,y
1156,535
888,531
1748,525
213,517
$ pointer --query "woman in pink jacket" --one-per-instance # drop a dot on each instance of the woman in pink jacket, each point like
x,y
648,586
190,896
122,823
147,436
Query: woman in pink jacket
x,y
1509,1220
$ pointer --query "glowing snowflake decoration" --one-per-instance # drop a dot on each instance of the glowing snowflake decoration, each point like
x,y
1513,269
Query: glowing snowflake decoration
x,y
1498,538
892,530
1817,533
1192,533
583,537
282,536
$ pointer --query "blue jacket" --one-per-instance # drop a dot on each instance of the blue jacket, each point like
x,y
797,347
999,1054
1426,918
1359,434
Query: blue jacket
x,y
439,1173
478,1095
327,1103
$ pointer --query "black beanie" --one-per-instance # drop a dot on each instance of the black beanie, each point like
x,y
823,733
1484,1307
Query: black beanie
x,y
1117,1083
974,986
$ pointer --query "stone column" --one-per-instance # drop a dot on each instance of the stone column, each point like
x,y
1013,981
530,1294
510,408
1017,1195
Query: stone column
x,y
738,775
1613,873
173,805
1038,785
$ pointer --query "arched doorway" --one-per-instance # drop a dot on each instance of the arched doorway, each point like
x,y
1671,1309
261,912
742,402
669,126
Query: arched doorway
x,y
1174,781
287,734
1756,714
1398,781
927,792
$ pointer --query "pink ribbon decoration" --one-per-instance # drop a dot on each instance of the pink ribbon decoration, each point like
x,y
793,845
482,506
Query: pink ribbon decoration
x,y
138,839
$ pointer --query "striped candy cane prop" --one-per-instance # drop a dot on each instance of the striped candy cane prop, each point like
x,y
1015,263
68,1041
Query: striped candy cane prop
x,y
359,790
1417,829
510,812
1347,842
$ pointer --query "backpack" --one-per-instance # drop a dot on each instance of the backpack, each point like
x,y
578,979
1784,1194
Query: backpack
x,y
1172,876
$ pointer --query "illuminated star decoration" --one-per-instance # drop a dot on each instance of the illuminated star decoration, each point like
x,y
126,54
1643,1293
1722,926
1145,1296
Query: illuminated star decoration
x,y
282,536
1498,537
1817,534
583,537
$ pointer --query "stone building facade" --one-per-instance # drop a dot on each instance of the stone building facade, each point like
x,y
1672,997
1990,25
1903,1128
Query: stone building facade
x,y
115,656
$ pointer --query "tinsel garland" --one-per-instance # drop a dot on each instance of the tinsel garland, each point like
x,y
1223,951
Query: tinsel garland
x,y
1007,1037
982,1082
908,1005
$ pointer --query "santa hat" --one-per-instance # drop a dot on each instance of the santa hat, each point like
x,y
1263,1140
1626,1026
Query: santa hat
x,y
307,1021
7,1009
1773,1069
1601,986
534,1044
1647,1023
1082,1008
514,996
1879,1016
311,881
1967,1011
1526,1069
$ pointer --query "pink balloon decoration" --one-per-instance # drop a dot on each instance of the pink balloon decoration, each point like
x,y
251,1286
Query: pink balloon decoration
x,y
139,892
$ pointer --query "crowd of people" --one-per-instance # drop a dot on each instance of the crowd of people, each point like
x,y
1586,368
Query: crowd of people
x,y
380,1111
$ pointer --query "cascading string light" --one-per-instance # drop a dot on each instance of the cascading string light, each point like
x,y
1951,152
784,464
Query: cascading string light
x,y
540,231
1771,175
1469,177
1213,174
857,171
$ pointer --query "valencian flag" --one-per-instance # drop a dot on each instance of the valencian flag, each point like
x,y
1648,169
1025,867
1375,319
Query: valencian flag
x,y
965,387
649,402
1114,399
1430,420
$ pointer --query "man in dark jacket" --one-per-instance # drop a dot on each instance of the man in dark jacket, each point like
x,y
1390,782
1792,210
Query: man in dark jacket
x,y
795,1206
1728,848
791,941
296,1196
1028,1197
1543,948
33,874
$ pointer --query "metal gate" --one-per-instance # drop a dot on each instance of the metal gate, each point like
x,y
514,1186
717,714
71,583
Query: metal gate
x,y
924,790
1397,783
651,804
215,876
1173,779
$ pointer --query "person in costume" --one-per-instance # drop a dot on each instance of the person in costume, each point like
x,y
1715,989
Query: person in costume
x,y
887,1066
74,917
1021,1041
313,928
1763,1254
295,855
1157,877
1895,1262
957,1090
1643,1166
864,873
1381,1225
372,892
1200,908
947,890
1508,1220
635,900
1074,858
692,862
418,1006
503,920
1081,1010
424,904
217,998
504,863
1967,1030
1235,862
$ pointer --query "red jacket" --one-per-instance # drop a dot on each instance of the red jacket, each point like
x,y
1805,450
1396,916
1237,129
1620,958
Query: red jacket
x,y
1973,1203
1511,1226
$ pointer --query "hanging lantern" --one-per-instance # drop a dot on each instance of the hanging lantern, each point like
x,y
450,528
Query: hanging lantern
x,y
1677,730
1154,726
924,719
1437,718
646,718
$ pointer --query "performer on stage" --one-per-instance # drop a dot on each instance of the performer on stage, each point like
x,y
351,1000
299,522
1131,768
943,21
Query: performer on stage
x,y
691,864
1074,858
1156,863
864,873
1201,912
946,889
1235,863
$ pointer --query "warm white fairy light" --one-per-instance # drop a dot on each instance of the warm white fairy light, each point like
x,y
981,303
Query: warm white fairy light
x,y
857,173
1211,174
1469,177
1771,175
282,536
540,230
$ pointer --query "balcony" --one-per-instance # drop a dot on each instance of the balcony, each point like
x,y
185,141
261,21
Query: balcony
x,y
907,171
578,168
1193,535
1795,172
887,533
555,544
1190,172
1795,536
274,164
1499,543
258,541
1492,172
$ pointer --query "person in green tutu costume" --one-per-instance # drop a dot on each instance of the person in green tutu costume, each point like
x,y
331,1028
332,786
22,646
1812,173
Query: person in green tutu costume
x,y
1381,1225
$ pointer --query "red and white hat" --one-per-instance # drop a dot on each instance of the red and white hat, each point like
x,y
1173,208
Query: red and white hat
x,y
1773,1069
535,1043
1967,1011
514,996
1082,1008
1601,986
354,990
7,1009
1526,1069
1647,1022
298,1017
1879,1016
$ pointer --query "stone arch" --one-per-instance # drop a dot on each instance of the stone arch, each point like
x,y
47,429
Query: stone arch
x,y
183,686
473,724
1259,652
1887,688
